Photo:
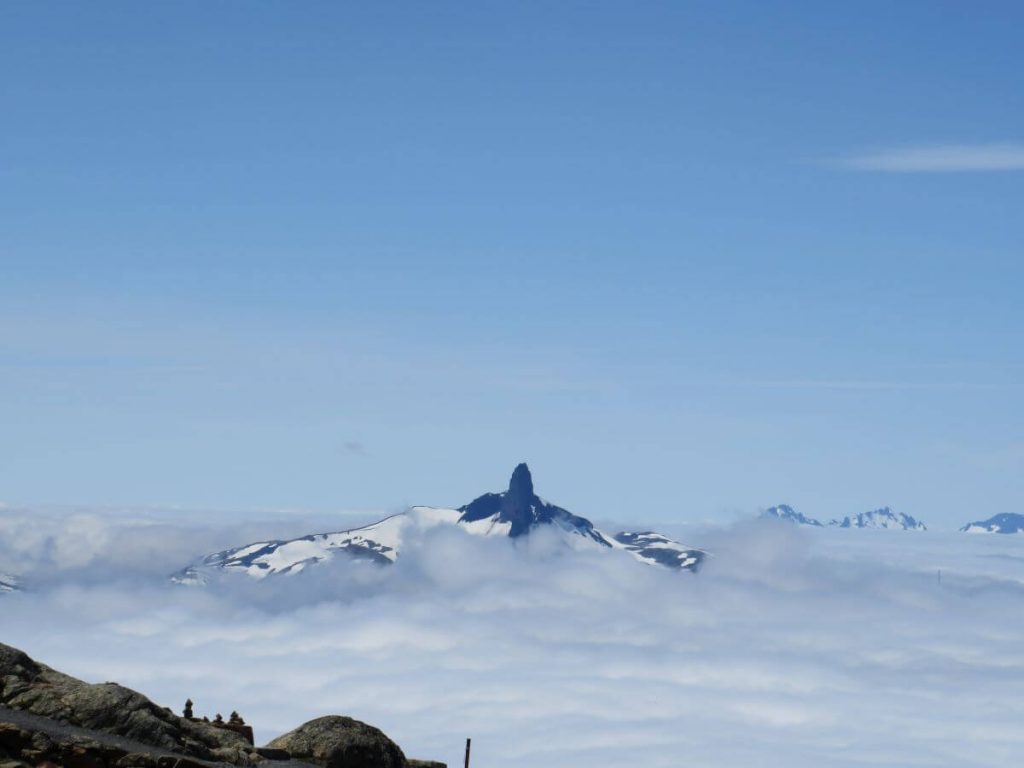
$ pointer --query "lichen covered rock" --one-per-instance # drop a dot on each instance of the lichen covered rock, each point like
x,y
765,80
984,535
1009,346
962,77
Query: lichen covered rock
x,y
341,742
29,686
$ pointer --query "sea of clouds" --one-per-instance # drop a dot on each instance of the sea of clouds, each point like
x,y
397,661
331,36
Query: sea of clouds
x,y
790,648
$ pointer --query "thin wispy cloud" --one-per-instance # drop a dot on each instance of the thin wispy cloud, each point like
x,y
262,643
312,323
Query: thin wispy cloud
x,y
940,158
353,448
869,384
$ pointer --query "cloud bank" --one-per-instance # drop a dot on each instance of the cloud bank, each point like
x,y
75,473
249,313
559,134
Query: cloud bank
x,y
790,648
943,158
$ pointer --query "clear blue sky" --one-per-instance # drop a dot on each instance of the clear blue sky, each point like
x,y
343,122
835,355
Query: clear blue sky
x,y
686,259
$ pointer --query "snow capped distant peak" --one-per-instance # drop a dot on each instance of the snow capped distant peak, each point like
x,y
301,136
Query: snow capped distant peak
x,y
1007,522
8,583
788,514
881,518
519,510
512,513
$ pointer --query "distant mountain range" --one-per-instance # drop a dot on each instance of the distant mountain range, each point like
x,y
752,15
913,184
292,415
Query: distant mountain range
x,y
1005,523
788,514
881,518
876,518
514,513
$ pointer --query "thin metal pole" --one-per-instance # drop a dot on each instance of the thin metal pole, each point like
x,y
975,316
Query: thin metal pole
x,y
468,742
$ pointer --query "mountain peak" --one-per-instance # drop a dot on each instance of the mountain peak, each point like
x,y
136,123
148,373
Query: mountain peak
x,y
787,513
521,484
1007,522
520,510
883,517
519,504
514,512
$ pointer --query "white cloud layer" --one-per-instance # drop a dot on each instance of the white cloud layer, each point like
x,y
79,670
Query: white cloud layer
x,y
794,648
943,158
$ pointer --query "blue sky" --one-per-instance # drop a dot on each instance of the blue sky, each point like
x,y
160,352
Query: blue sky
x,y
687,259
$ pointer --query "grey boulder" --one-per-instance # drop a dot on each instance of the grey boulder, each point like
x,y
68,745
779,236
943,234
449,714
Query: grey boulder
x,y
341,742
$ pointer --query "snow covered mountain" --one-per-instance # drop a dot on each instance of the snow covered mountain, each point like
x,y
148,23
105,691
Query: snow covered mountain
x,y
8,583
787,513
881,518
878,518
519,510
1008,522
511,513
654,548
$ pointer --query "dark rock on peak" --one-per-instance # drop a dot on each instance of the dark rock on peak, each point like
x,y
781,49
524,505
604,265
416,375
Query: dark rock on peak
x,y
520,487
519,503
522,509
341,742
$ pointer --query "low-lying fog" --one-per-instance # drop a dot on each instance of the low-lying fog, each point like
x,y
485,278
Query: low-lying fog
x,y
791,648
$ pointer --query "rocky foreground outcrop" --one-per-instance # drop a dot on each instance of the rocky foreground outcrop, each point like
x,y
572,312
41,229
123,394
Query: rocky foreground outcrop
x,y
47,717
107,708
341,742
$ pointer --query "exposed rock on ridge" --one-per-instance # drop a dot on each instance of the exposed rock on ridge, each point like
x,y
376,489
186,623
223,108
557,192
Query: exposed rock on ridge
x,y
523,509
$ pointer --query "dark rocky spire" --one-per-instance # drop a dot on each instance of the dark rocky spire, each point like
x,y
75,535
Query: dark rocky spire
x,y
521,484
518,503
522,509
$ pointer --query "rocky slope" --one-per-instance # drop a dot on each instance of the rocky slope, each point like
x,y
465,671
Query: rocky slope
x,y
47,717
515,512
29,687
